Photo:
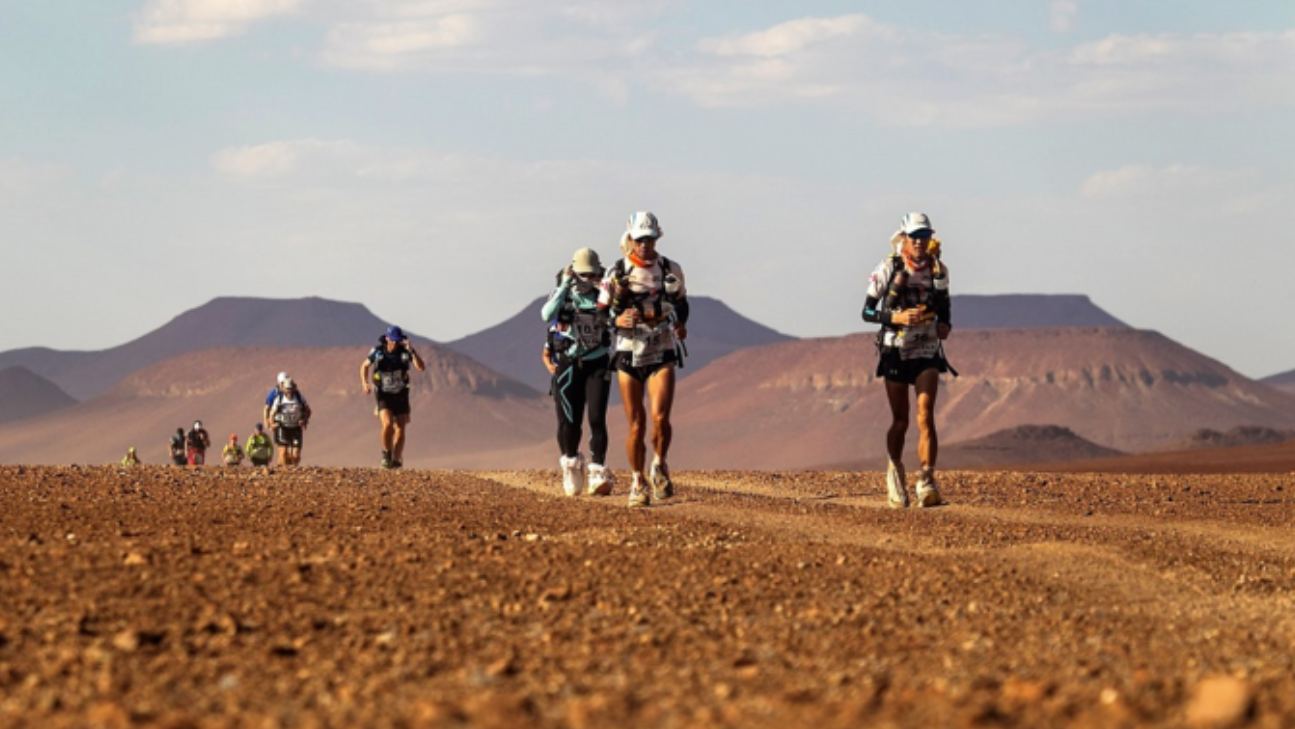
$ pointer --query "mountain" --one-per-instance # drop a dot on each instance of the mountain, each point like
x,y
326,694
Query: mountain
x,y
464,415
1023,444
513,347
24,394
807,403
1028,311
1269,458
1243,435
222,322
1284,381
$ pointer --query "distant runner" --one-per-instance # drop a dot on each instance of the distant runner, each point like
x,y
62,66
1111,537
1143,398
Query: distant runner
x,y
274,393
259,448
390,365
197,442
232,454
179,454
648,303
290,416
908,295
131,458
576,355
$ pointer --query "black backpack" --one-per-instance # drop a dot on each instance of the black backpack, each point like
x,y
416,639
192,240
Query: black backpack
x,y
195,439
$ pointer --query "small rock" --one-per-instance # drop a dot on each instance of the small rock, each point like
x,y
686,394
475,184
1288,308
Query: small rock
x,y
134,559
1220,701
127,641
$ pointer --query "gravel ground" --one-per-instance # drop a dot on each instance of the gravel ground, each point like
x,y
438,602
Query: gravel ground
x,y
355,597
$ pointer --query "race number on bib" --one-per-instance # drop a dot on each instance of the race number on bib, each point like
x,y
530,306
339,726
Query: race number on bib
x,y
649,347
587,332
920,342
392,382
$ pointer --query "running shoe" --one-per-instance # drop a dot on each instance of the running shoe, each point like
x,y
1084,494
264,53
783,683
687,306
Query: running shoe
x,y
397,464
928,494
639,495
569,466
600,480
662,486
896,489
386,459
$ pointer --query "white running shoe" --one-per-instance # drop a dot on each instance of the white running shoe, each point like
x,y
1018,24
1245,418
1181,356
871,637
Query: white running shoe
x,y
896,489
928,494
639,495
570,469
662,486
600,480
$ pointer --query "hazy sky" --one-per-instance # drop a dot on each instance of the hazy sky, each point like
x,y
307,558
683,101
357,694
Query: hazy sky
x,y
438,160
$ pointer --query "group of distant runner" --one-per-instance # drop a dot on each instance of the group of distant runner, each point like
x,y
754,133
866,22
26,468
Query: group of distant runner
x,y
629,321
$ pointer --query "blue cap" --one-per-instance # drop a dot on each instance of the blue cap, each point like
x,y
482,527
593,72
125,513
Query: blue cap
x,y
395,334
258,426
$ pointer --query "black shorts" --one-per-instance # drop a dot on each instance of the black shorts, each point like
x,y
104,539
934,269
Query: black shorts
x,y
625,363
287,437
397,403
179,459
894,369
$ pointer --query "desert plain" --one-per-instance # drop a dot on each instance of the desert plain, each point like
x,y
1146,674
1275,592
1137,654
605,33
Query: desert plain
x,y
323,597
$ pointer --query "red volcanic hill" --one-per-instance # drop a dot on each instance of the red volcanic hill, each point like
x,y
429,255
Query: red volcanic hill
x,y
816,402
512,347
24,394
1022,444
1284,381
222,322
464,415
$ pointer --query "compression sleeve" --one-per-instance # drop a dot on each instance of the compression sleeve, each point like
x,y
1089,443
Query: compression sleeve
x,y
681,311
872,314
556,299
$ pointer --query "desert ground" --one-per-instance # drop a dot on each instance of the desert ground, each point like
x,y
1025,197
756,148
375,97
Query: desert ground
x,y
324,597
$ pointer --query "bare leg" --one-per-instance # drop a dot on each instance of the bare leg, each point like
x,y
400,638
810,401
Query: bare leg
x,y
388,430
928,444
897,395
660,388
398,437
632,396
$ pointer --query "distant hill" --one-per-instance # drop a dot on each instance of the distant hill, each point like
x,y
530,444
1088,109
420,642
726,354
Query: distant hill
x,y
25,394
513,347
1270,458
1242,435
816,402
1028,311
1284,381
1023,444
222,322
464,415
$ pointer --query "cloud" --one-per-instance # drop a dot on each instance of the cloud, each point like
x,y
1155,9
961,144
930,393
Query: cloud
x,y
180,22
1131,182
1062,15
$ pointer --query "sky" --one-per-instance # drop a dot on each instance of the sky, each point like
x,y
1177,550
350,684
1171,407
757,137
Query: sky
x,y
439,160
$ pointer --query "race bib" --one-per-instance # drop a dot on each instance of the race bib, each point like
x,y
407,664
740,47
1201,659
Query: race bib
x,y
290,414
649,347
587,332
920,342
392,383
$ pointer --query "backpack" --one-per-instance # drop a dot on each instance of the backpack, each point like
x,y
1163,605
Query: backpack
x,y
303,414
177,445
196,440
897,267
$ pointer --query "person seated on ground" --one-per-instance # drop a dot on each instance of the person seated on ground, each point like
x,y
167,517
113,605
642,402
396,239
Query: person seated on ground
x,y
131,458
198,441
178,455
259,449
232,454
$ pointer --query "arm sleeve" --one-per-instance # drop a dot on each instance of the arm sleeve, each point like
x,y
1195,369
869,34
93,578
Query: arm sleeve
x,y
877,284
944,302
555,302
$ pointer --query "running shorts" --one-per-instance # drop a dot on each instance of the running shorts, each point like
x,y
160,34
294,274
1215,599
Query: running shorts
x,y
397,403
624,363
895,369
287,437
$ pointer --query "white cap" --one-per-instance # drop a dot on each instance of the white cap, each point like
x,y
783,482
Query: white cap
x,y
288,384
282,376
913,222
643,225
197,425
586,261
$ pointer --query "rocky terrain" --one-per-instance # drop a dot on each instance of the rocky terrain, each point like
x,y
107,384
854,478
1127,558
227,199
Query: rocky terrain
x,y
342,597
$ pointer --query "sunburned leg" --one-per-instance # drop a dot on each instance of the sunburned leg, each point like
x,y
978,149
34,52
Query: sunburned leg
x,y
897,395
928,444
632,396
660,387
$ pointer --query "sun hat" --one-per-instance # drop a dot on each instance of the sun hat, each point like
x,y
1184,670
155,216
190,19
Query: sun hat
x,y
643,225
586,261
395,333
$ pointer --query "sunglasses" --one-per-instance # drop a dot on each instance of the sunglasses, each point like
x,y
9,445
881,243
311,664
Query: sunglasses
x,y
588,276
644,240
920,235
